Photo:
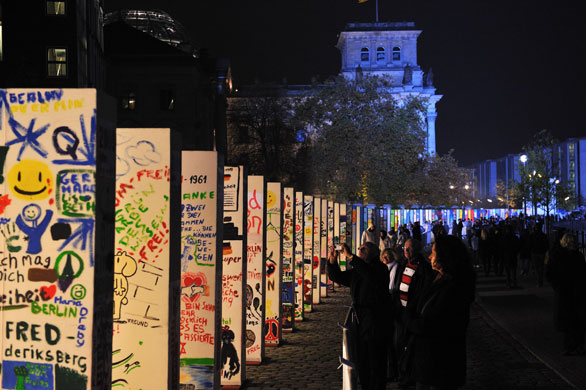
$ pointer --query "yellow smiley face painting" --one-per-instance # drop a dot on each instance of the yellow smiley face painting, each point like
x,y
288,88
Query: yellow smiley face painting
x,y
271,199
30,180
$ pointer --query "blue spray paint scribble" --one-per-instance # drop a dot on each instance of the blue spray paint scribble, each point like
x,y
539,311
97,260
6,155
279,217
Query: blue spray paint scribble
x,y
87,147
27,136
80,237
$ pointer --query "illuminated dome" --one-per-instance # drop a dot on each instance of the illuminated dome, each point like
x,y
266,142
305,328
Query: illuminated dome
x,y
157,24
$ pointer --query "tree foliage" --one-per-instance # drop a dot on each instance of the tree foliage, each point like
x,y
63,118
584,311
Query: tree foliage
x,y
539,182
262,134
367,145
444,183
508,196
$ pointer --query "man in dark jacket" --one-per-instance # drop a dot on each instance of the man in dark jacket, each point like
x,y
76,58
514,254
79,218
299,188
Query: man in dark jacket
x,y
369,283
417,275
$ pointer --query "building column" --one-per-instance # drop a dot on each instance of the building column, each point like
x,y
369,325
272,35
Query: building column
x,y
431,132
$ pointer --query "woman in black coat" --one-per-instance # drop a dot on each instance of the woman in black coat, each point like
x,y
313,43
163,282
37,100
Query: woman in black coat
x,y
566,271
441,318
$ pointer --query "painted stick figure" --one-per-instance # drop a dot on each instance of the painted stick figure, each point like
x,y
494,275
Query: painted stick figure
x,y
124,267
28,223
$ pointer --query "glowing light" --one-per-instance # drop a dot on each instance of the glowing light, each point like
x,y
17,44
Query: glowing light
x,y
523,158
489,200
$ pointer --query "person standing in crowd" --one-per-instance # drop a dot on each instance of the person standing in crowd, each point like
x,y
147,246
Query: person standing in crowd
x,y
524,251
438,229
510,249
393,237
440,319
384,242
393,260
539,246
403,236
416,231
498,250
484,251
369,283
469,231
416,276
566,271
460,228
493,246
473,239
369,235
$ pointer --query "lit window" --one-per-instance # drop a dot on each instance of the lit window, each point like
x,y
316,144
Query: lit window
x,y
57,62
55,7
167,100
380,54
364,57
129,101
396,53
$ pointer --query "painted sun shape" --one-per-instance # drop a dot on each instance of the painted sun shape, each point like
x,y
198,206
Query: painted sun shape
x,y
30,180
271,199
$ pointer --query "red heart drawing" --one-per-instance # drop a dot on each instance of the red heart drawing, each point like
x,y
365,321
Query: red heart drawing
x,y
189,281
48,292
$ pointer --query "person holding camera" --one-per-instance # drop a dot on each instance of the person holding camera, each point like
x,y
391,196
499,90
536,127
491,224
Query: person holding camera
x,y
369,283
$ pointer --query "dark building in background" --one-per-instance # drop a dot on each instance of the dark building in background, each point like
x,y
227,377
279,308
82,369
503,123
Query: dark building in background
x,y
51,44
157,24
160,80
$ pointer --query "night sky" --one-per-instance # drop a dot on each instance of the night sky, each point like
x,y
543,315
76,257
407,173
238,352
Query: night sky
x,y
506,68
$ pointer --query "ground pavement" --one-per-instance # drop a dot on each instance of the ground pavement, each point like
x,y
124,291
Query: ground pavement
x,y
308,358
526,313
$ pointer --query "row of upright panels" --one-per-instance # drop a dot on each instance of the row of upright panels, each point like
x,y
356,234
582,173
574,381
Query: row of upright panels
x,y
111,247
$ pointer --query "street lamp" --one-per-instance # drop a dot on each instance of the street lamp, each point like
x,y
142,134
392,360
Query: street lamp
x,y
523,159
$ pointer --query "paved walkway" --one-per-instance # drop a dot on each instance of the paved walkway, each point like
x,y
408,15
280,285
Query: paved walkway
x,y
526,313
308,359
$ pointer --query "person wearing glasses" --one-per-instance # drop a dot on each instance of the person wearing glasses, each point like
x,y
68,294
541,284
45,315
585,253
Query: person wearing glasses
x,y
369,283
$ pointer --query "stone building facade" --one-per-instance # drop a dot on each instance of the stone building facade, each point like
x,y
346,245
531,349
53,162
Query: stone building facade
x,y
390,49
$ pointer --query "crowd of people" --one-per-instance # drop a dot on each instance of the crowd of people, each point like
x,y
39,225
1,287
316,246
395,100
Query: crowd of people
x,y
412,301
